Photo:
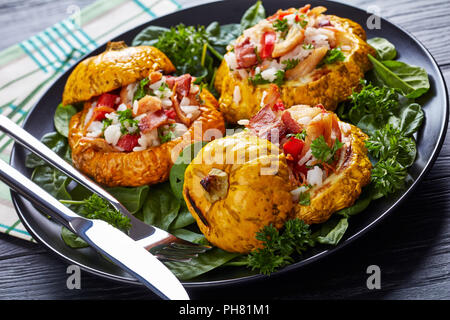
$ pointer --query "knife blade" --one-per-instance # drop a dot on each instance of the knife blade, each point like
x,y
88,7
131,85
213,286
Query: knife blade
x,y
126,253
107,240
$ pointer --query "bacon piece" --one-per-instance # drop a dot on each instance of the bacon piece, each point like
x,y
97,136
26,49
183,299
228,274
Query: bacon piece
x,y
148,104
183,84
176,106
272,96
245,54
267,124
153,120
292,126
170,81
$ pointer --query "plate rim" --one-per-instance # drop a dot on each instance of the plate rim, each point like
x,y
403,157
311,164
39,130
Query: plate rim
x,y
18,200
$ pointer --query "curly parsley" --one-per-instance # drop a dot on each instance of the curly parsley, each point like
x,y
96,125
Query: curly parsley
x,y
95,207
333,55
281,25
127,123
279,247
301,135
290,63
390,142
257,79
322,152
388,176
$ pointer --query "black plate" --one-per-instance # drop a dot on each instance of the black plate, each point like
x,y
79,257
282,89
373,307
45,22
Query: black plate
x,y
429,139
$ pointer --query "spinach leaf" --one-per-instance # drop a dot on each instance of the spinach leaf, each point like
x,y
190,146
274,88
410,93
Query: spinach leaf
x,y
149,36
132,198
72,240
332,231
183,219
385,50
203,263
412,81
360,204
52,181
411,118
221,36
188,235
57,143
79,193
253,15
62,117
161,207
176,176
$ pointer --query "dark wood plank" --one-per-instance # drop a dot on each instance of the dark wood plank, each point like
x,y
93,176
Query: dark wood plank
x,y
13,247
412,246
421,18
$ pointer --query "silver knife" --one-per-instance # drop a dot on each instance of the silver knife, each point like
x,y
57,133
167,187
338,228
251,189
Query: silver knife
x,y
107,240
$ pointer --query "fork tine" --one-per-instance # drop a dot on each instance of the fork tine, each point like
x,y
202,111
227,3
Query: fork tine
x,y
174,255
172,258
190,248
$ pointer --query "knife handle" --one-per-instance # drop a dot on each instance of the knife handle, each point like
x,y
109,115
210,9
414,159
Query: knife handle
x,y
35,194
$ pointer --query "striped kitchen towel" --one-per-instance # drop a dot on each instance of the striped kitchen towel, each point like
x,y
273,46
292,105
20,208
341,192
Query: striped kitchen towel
x,y
29,68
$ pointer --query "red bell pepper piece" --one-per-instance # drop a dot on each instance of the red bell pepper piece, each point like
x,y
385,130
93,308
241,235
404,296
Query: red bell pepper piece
x,y
293,147
267,44
107,100
278,106
128,141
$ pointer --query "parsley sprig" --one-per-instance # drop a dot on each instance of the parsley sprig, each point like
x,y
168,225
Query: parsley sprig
x,y
290,63
395,153
142,89
388,176
279,247
377,102
257,79
333,55
322,152
95,207
281,26
301,135
127,122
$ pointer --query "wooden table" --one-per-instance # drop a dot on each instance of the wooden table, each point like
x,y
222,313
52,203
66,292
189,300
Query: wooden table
x,y
411,247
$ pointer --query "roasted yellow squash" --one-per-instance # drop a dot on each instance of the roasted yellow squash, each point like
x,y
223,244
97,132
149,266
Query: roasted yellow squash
x,y
313,57
323,165
135,120
118,66
341,189
235,186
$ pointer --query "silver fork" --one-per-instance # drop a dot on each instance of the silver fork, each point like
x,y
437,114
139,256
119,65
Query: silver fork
x,y
163,245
